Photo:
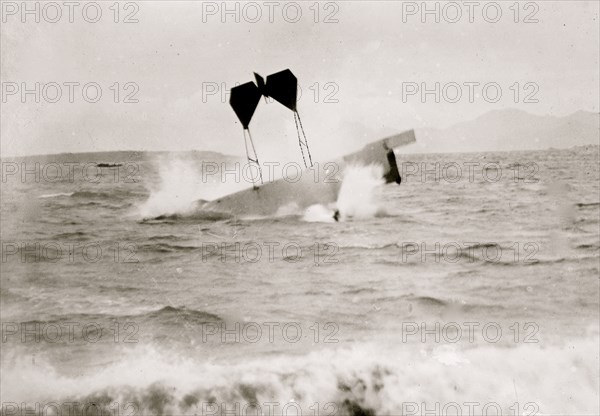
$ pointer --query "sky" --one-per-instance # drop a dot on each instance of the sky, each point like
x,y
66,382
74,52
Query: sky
x,y
358,64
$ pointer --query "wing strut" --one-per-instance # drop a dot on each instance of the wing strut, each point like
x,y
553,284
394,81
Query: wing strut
x,y
301,142
252,159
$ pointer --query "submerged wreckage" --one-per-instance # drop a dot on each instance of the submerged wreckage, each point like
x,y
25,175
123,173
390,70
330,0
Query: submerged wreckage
x,y
268,198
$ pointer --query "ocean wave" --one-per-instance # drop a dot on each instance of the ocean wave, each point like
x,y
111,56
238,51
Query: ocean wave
x,y
58,194
588,246
373,246
359,290
427,300
168,318
166,248
73,234
365,379
587,204
162,237
170,314
197,215
114,194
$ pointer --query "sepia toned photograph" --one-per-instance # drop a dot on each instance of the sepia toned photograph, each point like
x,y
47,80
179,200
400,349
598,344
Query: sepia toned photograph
x,y
303,208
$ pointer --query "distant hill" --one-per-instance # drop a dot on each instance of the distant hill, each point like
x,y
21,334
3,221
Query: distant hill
x,y
122,156
511,130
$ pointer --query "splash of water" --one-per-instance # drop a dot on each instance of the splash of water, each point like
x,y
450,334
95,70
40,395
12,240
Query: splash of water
x,y
318,213
179,186
357,198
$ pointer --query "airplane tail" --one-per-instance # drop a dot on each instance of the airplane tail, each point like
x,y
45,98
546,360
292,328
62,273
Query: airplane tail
x,y
382,152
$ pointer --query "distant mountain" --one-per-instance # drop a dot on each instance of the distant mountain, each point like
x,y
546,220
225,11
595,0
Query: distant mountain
x,y
496,130
511,130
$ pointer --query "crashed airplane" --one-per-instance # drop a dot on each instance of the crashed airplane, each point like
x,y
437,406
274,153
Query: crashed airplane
x,y
268,198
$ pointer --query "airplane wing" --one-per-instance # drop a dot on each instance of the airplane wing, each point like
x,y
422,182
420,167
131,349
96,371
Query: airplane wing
x,y
312,187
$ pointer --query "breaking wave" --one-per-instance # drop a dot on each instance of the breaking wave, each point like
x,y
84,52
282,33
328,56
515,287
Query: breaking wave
x,y
365,379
